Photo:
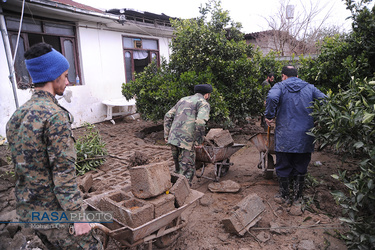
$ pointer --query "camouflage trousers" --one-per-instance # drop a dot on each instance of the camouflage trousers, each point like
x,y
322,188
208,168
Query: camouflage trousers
x,y
184,162
60,238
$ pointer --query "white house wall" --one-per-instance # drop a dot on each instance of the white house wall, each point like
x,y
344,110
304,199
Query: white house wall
x,y
102,73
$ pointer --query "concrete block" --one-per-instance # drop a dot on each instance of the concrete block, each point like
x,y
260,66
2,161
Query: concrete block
x,y
162,204
113,202
138,212
150,180
127,209
223,139
212,133
180,189
219,137
244,215
86,183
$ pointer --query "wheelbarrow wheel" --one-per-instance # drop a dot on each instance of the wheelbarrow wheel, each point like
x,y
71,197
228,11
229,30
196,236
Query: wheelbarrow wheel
x,y
224,168
166,240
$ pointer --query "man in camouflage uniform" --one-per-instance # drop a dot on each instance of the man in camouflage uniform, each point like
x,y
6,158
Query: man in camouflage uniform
x,y
184,128
43,153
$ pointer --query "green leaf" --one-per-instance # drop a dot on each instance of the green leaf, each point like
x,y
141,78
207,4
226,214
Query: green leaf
x,y
358,144
367,118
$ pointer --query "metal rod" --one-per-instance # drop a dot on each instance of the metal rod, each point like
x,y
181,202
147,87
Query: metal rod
x,y
8,53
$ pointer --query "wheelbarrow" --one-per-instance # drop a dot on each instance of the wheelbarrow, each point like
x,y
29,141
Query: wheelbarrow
x,y
265,143
161,230
219,156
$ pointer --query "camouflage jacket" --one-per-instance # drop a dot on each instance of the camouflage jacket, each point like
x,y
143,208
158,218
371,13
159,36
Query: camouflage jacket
x,y
43,153
184,124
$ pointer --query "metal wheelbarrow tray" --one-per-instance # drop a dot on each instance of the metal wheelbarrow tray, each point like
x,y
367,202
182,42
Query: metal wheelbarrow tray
x,y
265,143
158,228
220,156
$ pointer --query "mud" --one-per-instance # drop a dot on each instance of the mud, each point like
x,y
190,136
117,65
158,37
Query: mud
x,y
315,225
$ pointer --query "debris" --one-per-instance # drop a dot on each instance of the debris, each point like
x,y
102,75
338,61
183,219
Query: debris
x,y
150,180
86,183
180,189
219,137
138,159
263,237
206,200
306,245
227,186
317,164
245,215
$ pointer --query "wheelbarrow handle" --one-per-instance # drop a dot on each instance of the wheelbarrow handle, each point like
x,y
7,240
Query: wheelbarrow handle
x,y
103,228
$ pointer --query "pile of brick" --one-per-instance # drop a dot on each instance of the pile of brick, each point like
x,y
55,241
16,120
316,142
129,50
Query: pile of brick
x,y
154,192
218,137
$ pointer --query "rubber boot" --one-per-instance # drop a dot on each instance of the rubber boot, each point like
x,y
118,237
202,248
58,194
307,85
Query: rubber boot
x,y
283,196
298,186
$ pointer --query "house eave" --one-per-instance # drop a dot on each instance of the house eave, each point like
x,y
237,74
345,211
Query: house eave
x,y
55,10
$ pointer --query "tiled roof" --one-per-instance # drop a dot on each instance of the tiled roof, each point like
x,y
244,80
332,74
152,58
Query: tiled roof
x,y
78,5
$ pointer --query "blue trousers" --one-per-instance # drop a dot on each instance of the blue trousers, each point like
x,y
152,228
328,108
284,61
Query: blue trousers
x,y
292,164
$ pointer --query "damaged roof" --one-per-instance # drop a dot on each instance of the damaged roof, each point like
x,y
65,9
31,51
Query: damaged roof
x,y
75,4
141,16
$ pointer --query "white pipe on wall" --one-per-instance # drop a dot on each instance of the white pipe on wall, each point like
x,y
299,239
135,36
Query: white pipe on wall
x,y
8,53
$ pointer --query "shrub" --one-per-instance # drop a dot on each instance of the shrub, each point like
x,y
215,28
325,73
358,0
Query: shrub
x,y
90,149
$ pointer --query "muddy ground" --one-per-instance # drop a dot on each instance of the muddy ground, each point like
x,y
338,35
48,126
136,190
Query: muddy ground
x,y
315,226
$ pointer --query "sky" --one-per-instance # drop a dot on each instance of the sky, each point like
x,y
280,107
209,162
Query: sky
x,y
251,13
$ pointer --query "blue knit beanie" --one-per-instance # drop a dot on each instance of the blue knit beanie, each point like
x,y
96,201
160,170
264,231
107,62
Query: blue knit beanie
x,y
47,67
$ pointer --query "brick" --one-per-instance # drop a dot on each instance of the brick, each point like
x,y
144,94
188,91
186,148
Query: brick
x,y
244,215
162,204
180,189
150,180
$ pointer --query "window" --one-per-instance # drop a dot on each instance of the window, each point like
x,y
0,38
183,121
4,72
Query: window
x,y
60,35
138,53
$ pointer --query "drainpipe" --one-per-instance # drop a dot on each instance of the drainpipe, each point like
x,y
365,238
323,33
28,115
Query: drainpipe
x,y
8,53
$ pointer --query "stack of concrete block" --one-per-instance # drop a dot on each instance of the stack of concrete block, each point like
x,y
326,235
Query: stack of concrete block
x,y
154,192
219,137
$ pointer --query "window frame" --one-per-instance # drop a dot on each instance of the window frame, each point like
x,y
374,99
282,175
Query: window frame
x,y
131,50
61,38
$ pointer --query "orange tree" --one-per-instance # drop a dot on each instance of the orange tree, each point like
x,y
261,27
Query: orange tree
x,y
205,51
346,120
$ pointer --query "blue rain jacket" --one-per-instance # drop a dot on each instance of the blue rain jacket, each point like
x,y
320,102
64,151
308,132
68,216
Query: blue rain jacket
x,y
288,102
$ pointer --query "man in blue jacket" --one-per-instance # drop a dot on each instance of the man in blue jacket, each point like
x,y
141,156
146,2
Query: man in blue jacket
x,y
287,103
